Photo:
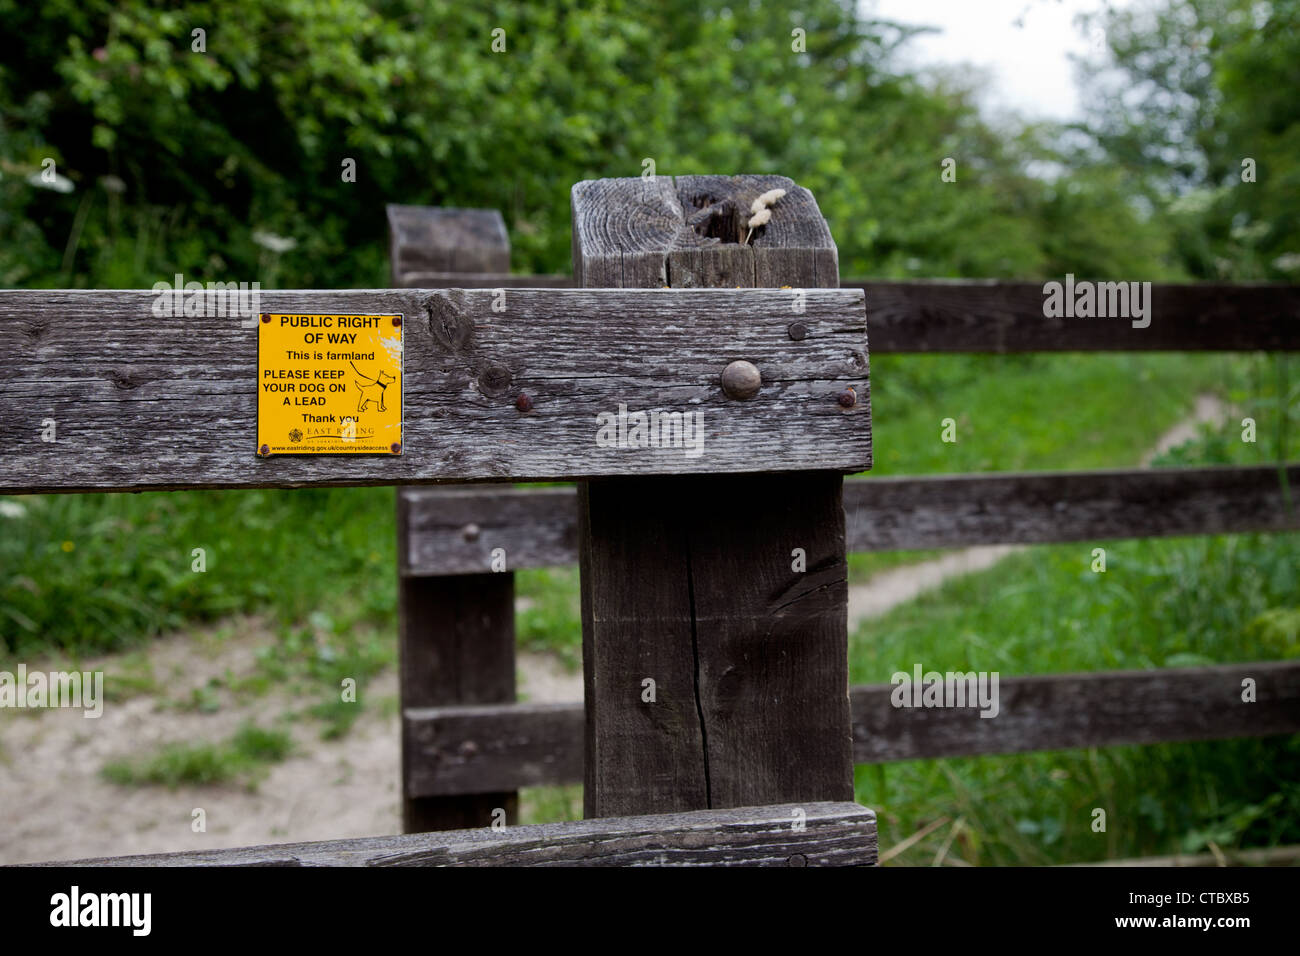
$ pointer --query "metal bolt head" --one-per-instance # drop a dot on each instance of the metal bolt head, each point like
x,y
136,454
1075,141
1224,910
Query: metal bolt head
x,y
848,398
397,321
264,450
798,331
740,380
524,403
395,448
266,317
470,532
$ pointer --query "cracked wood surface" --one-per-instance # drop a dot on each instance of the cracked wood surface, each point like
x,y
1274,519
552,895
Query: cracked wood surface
x,y
831,834
143,402
714,609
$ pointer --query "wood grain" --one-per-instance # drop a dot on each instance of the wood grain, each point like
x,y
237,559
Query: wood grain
x,y
431,239
949,511
538,527
715,671
456,530
456,637
935,315
478,748
142,402
457,645
974,315
832,834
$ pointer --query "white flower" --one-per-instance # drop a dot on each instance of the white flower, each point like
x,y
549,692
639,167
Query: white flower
x,y
269,240
12,509
59,183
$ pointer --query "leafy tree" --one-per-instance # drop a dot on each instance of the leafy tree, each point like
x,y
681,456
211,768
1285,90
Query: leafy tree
x,y
225,162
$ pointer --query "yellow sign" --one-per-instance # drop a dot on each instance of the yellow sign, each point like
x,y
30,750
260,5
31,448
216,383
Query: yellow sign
x,y
329,385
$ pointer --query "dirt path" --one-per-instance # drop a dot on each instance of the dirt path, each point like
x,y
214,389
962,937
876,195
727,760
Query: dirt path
x,y
54,803
887,590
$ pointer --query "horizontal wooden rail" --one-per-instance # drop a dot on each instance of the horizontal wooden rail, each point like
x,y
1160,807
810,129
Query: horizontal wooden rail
x,y
142,402
992,315
964,315
486,748
484,280
886,514
456,531
811,834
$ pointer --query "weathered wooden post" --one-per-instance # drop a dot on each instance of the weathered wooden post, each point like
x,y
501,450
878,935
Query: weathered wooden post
x,y
428,240
715,606
457,634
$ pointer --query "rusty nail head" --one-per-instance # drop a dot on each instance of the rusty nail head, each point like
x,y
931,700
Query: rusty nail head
x,y
741,380
397,321
848,398
395,448
798,331
266,317
264,450
524,403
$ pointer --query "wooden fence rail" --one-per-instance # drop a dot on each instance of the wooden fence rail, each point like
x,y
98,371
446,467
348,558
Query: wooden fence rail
x,y
809,834
994,315
148,403
457,750
455,531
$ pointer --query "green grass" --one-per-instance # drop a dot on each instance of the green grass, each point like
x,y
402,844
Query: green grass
x,y
1160,603
550,804
243,759
1032,412
552,618
93,573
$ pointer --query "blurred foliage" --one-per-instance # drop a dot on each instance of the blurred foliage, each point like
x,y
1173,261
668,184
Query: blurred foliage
x,y
1193,92
179,161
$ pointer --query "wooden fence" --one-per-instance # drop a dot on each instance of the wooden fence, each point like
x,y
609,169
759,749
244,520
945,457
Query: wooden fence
x,y
105,391
686,575
468,746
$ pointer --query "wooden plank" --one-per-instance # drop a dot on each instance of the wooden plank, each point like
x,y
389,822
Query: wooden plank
x,y
142,402
472,749
457,641
485,280
541,744
992,315
1104,709
715,671
456,530
949,511
456,638
808,834
538,527
965,315
1266,856
430,239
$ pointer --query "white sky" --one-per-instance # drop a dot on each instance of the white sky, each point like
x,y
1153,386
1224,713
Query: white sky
x,y
1023,43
